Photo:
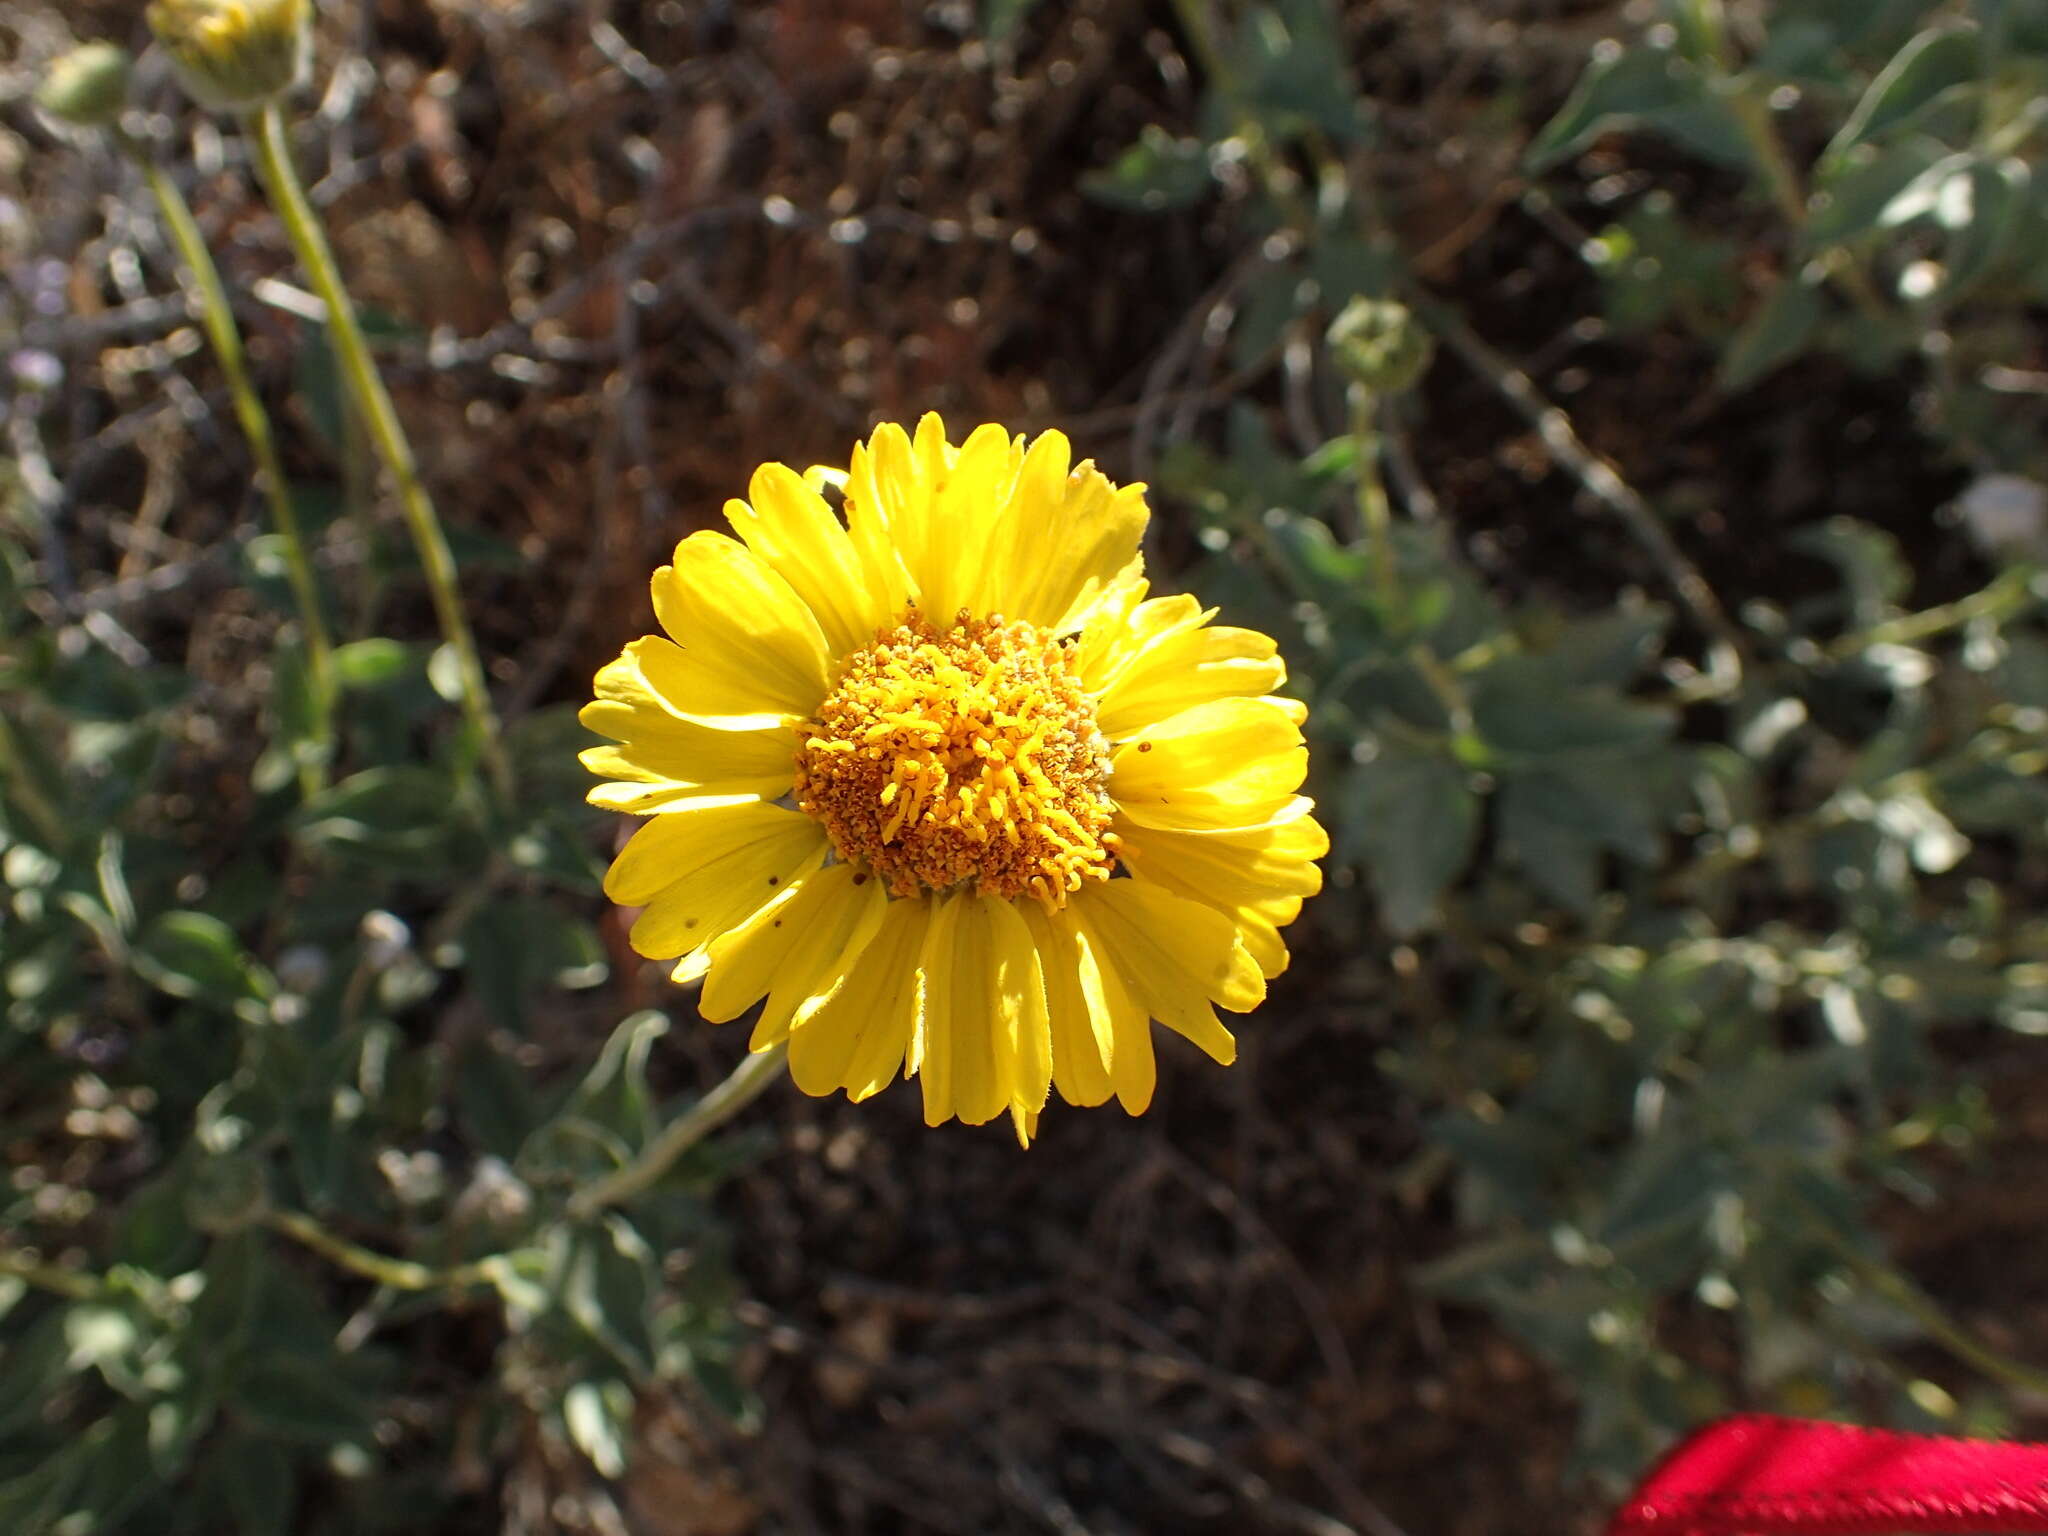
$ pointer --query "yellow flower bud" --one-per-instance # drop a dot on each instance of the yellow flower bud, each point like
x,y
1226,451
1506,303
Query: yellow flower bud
x,y
86,87
234,54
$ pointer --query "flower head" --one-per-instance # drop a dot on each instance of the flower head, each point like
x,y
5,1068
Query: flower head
x,y
947,789
234,54
1381,344
86,87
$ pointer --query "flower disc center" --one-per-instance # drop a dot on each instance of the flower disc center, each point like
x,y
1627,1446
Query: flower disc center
x,y
970,753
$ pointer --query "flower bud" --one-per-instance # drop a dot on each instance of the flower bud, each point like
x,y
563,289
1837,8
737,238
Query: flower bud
x,y
231,55
86,87
1381,345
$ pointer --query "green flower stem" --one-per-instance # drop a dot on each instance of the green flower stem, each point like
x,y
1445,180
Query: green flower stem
x,y
1375,515
1444,685
399,1274
380,418
68,1283
739,1090
2010,594
1958,1341
219,321
1601,481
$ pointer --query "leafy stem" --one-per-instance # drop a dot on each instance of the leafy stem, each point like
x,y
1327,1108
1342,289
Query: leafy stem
x,y
2009,594
380,417
740,1089
1375,515
1760,131
69,1283
399,1274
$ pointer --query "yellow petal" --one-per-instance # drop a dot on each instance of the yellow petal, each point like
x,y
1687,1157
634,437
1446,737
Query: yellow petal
x,y
1177,956
950,561
661,759
934,450
1079,1016
668,847
1258,929
1255,876
789,525
943,1064
692,865
740,622
1133,1068
648,799
1231,868
983,1032
1059,539
1089,546
1187,668
890,486
855,1034
1020,541
1136,1068
1101,650
1122,630
788,944
692,912
1225,763
1023,1033
654,677
878,481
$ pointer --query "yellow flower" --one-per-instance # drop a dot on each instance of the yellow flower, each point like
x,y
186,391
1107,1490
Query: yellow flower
x,y
231,55
897,769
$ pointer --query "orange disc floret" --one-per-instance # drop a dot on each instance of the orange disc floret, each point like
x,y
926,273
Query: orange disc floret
x,y
970,753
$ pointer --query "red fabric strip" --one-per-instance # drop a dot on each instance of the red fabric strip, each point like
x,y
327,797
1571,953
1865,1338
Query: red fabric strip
x,y
1762,1476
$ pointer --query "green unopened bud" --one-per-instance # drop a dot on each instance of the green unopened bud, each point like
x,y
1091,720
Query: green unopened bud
x,y
86,87
1381,345
234,54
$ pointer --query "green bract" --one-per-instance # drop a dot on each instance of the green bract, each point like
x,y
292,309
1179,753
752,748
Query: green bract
x,y
86,87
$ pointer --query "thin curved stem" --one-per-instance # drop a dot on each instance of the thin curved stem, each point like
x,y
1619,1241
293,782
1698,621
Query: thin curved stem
x,y
380,417
739,1090
69,1283
399,1274
218,318
1944,1330
2009,594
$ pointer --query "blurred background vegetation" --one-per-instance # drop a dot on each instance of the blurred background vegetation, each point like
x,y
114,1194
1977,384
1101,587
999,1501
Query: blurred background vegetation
x,y
1629,416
